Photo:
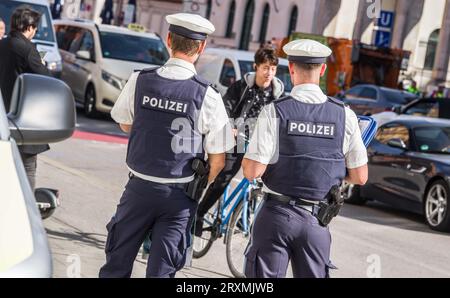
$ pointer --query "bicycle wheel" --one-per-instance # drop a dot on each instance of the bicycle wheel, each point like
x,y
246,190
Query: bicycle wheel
x,y
237,238
202,244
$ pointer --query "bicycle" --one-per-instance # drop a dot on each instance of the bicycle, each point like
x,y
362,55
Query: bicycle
x,y
231,218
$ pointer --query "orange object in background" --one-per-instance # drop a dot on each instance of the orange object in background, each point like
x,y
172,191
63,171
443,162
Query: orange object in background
x,y
279,43
340,68
354,63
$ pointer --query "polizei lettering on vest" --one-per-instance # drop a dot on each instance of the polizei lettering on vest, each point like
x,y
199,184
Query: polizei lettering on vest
x,y
310,129
165,105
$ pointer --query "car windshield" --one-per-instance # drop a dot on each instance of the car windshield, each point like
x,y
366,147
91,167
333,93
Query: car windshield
x,y
133,48
433,139
282,73
45,29
428,109
398,97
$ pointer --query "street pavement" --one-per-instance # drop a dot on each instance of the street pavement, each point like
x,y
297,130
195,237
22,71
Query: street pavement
x,y
368,241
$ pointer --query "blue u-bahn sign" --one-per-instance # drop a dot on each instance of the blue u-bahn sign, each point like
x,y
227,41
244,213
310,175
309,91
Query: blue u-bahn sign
x,y
386,20
383,30
383,39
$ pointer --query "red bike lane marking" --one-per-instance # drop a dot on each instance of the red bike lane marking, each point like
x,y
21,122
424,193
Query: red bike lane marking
x,y
89,136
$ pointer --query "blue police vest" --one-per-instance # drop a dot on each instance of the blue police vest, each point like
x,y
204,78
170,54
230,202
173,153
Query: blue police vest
x,y
164,137
310,159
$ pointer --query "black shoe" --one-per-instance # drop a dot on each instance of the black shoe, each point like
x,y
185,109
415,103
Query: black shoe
x,y
198,227
240,224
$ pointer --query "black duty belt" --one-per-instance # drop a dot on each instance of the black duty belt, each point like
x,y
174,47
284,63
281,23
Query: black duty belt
x,y
324,211
309,206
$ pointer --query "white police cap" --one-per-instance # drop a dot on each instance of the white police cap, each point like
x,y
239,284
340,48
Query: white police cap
x,y
307,51
189,25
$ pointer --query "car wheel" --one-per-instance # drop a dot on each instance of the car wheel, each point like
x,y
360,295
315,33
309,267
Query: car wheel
x,y
436,212
89,102
352,194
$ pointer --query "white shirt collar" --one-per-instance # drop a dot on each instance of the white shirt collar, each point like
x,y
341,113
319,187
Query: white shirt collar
x,y
181,63
309,93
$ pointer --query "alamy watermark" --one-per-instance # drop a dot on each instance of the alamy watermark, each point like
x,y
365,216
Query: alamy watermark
x,y
74,266
374,9
374,269
187,137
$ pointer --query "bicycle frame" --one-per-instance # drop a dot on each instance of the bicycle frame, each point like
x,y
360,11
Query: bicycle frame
x,y
241,192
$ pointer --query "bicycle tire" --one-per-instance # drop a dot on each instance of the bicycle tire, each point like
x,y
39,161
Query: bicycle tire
x,y
197,254
229,238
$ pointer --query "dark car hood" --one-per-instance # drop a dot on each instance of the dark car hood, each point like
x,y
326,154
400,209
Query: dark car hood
x,y
441,158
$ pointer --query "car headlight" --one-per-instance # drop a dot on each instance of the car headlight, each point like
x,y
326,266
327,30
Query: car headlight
x,y
113,80
54,66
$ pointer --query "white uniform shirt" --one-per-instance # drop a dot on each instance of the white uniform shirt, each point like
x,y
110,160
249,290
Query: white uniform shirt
x,y
263,144
213,119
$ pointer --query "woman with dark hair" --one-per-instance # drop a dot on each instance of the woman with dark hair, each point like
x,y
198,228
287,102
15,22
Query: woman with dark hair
x,y
244,101
19,55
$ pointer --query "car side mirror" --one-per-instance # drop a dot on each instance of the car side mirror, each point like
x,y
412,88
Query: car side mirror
x,y
397,143
85,55
397,109
228,80
42,110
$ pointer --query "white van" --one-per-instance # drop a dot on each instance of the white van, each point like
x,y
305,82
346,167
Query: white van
x,y
45,38
99,59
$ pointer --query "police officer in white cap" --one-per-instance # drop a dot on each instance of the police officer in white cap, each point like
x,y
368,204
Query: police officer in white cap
x,y
304,146
174,117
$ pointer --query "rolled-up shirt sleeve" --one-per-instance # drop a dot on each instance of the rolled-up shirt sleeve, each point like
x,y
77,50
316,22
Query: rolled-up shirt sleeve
x,y
215,125
356,156
123,110
263,143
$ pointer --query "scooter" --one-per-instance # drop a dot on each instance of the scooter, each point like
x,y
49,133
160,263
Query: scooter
x,y
47,200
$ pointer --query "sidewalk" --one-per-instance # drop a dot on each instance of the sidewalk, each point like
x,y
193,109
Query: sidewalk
x,y
90,176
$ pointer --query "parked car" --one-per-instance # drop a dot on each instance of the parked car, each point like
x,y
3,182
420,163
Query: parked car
x,y
223,67
42,111
45,38
99,59
409,168
370,99
427,107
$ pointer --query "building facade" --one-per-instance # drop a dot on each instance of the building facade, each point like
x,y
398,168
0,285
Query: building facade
x,y
419,26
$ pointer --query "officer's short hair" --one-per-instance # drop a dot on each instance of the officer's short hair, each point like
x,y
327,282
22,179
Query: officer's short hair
x,y
24,17
1,20
306,66
266,55
184,45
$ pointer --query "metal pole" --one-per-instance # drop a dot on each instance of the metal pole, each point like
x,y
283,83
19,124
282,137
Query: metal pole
x,y
441,61
118,12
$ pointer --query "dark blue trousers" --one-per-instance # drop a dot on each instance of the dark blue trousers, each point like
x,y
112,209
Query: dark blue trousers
x,y
147,206
283,233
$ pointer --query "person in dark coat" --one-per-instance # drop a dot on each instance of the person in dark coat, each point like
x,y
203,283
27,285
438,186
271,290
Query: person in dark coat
x,y
107,14
19,55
